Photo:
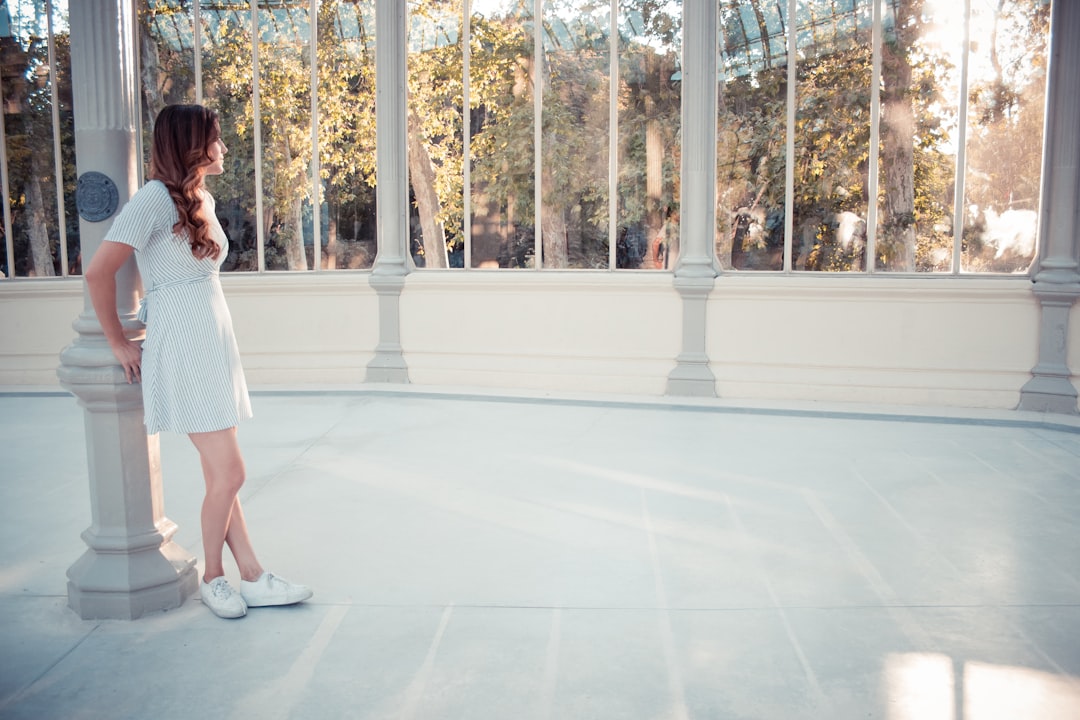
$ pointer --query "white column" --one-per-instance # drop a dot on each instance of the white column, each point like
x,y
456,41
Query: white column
x,y
392,196
131,565
695,272
1057,282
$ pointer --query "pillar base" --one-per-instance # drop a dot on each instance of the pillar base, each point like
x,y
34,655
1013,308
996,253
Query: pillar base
x,y
388,365
691,375
691,378
131,566
1048,393
100,583
1050,389
388,368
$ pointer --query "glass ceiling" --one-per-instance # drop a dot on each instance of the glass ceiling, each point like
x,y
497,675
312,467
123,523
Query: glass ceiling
x,y
278,20
753,34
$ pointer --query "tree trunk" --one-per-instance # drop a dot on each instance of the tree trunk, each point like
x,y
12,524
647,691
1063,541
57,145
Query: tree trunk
x,y
898,149
37,227
654,175
294,250
554,239
330,261
422,178
295,257
151,74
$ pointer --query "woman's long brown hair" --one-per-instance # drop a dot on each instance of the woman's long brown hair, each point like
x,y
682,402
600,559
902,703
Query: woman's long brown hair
x,y
179,158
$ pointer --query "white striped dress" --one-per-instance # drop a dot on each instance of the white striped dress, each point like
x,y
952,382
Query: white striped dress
x,y
192,380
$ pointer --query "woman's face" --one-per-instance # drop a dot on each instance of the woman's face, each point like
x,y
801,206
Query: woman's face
x,y
216,151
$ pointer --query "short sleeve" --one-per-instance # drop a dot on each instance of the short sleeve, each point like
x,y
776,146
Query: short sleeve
x,y
147,213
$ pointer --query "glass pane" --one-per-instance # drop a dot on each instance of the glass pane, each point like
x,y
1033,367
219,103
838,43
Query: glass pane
x,y
1007,75
62,49
920,95
574,178
650,150
227,88
346,60
501,79
832,135
436,175
751,135
285,112
28,129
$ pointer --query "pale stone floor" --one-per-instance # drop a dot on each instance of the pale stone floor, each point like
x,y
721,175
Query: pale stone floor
x,y
491,557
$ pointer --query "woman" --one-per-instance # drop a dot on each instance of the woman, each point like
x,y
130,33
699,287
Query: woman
x,y
189,365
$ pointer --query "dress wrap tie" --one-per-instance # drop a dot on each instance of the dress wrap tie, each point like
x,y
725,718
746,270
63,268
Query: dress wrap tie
x,y
194,280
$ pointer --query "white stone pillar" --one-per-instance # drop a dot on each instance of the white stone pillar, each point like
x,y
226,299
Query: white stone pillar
x,y
131,565
695,272
392,192
1057,282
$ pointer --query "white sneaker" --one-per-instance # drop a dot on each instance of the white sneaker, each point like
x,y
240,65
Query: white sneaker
x,y
223,601
270,589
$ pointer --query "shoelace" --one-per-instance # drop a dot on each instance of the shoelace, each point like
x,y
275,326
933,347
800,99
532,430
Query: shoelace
x,y
221,590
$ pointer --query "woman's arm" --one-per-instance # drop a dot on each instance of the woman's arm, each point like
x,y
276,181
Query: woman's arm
x,y
101,281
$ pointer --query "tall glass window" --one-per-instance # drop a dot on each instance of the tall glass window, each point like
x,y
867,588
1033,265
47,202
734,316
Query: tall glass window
x,y
649,104
852,135
294,84
921,80
284,72
436,117
346,133
905,153
751,135
565,133
40,222
501,86
831,135
1006,105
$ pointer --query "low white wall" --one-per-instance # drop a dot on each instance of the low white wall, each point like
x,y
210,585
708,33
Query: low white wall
x,y
963,342
35,325
952,341
558,331
304,329
292,329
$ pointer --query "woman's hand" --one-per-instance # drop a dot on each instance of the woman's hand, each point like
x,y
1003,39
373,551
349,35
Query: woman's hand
x,y
130,356
101,280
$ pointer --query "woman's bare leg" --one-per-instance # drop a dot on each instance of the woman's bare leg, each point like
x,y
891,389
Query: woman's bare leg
x,y
222,517
240,545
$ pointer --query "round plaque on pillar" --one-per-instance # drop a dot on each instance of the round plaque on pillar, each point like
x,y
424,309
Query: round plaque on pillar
x,y
96,196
